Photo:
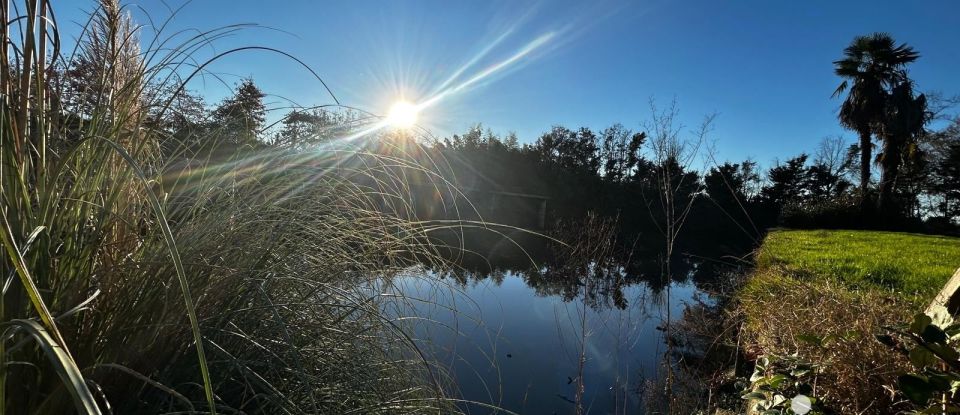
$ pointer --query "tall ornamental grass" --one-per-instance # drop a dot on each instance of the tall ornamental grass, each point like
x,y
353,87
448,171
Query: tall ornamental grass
x,y
144,274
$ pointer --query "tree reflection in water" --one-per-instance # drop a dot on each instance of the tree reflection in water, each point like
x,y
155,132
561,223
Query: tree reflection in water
x,y
590,265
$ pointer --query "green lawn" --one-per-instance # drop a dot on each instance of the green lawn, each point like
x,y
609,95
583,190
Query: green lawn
x,y
915,266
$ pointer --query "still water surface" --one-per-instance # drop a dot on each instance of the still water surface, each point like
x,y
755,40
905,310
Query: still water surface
x,y
515,341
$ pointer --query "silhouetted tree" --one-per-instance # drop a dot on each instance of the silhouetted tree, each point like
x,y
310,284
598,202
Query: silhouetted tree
x,y
787,182
240,117
871,66
903,122
511,142
946,182
575,150
304,127
472,140
179,113
620,152
729,183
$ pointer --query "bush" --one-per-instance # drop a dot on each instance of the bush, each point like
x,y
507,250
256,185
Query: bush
x,y
930,342
825,214
941,225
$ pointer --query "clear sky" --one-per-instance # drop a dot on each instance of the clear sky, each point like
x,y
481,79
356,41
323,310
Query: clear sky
x,y
765,67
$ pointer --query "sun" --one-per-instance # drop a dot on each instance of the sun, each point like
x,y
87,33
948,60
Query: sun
x,y
403,114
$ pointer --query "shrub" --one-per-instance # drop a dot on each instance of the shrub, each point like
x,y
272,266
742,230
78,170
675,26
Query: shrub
x,y
930,342
836,213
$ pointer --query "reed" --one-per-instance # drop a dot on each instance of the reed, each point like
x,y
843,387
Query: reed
x,y
144,274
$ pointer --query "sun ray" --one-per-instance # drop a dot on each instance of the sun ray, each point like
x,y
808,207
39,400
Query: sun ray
x,y
526,50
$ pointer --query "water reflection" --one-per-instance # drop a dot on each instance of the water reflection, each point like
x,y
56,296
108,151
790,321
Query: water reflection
x,y
599,283
581,326
537,326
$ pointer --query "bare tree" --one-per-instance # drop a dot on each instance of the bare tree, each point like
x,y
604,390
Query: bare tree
x,y
831,154
671,153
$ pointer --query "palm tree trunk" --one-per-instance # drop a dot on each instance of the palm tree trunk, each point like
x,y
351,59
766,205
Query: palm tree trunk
x,y
865,156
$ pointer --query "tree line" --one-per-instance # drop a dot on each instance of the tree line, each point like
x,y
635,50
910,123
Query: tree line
x,y
611,171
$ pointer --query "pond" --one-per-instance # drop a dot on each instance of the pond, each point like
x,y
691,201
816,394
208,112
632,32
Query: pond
x,y
524,341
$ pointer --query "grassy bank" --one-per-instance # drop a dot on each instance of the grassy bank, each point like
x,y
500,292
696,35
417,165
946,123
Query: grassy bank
x,y
824,294
911,267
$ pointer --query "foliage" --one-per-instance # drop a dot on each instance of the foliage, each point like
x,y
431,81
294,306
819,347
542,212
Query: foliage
x,y
777,380
573,150
787,181
239,118
308,127
946,180
620,152
874,64
931,344
825,213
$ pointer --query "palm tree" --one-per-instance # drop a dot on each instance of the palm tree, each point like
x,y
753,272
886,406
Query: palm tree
x,y
873,64
904,118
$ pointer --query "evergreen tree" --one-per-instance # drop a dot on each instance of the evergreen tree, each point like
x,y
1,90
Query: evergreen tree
x,y
305,127
788,182
239,118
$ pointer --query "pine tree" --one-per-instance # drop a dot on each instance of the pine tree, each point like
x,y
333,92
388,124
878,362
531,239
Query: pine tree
x,y
239,118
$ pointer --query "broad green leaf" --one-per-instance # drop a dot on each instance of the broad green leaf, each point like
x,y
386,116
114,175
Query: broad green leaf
x,y
776,380
886,339
939,382
920,322
921,357
916,388
945,351
754,395
933,334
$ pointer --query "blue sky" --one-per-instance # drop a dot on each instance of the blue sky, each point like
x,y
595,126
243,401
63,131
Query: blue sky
x,y
763,66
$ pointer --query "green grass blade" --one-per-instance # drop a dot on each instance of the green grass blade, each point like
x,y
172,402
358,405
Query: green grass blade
x,y
16,258
64,365
178,265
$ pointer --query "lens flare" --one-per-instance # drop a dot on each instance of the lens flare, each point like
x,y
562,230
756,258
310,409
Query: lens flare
x,y
403,114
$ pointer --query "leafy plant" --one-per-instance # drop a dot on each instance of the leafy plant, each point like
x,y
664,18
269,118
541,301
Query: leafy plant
x,y
931,342
777,380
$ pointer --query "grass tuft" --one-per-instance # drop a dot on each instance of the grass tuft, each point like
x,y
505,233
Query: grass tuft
x,y
146,272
